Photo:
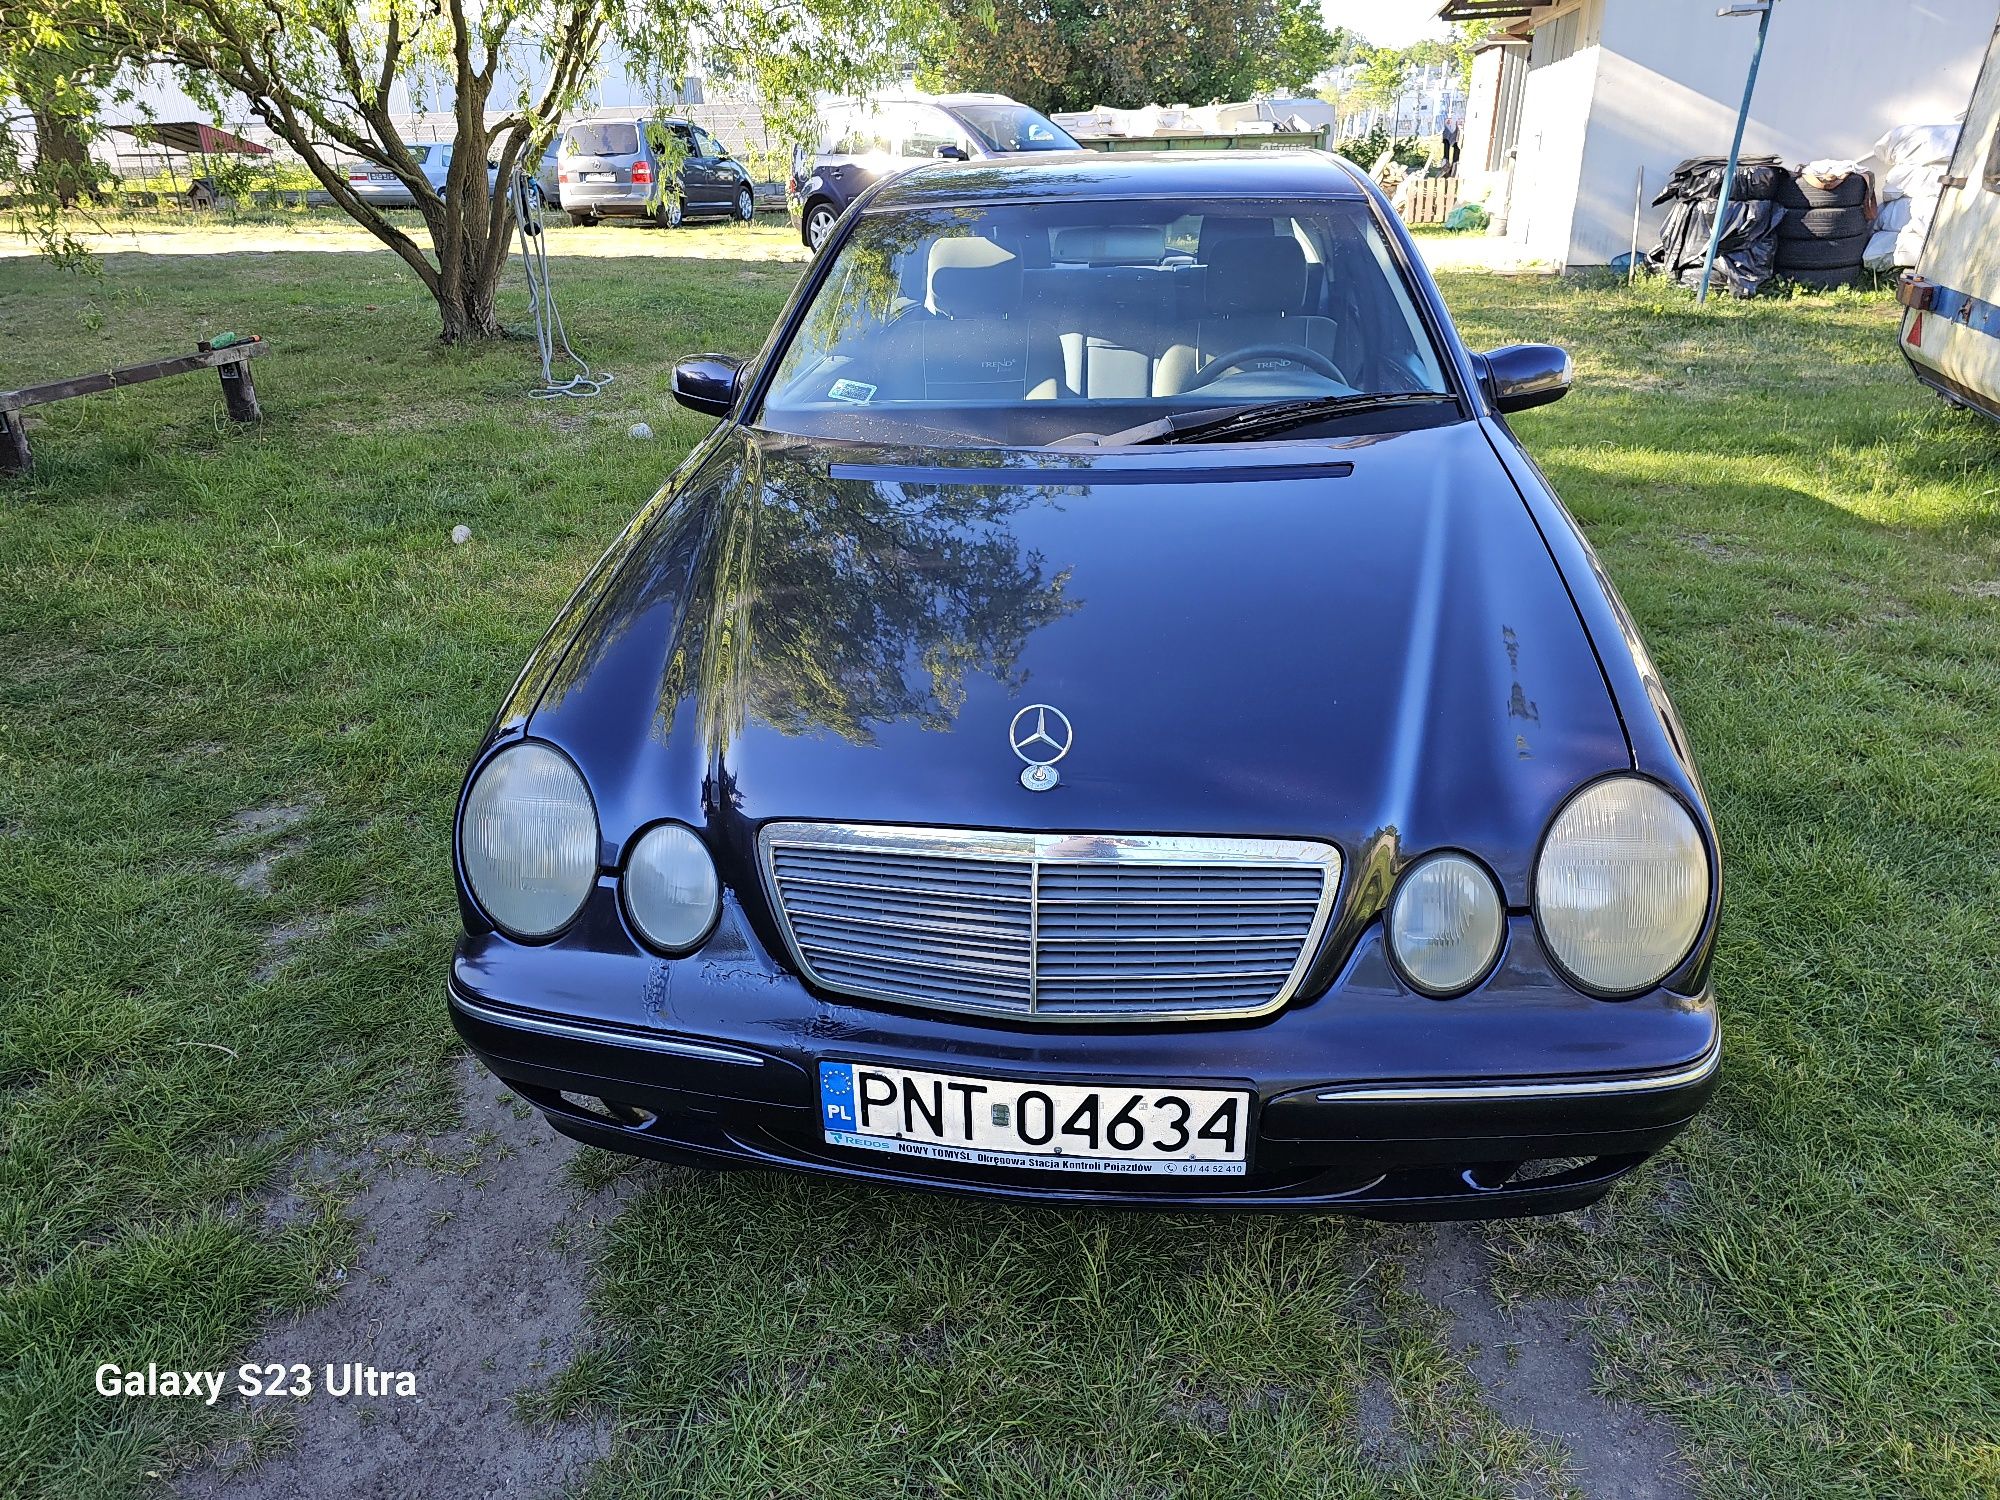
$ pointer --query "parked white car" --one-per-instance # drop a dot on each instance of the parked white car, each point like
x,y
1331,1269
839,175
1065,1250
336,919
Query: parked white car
x,y
384,189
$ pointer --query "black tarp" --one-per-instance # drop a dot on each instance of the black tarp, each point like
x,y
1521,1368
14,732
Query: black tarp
x,y
1747,256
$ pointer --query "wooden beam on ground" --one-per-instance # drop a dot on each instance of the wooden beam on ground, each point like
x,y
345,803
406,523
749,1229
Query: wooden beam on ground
x,y
14,455
231,363
123,375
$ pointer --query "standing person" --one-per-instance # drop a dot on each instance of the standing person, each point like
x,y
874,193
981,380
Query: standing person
x,y
1452,133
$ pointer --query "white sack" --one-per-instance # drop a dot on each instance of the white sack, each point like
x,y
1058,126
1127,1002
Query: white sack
x,y
1881,252
1922,181
1908,144
1895,214
1910,243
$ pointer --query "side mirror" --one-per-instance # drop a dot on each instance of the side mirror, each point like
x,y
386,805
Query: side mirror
x,y
708,383
952,153
1523,375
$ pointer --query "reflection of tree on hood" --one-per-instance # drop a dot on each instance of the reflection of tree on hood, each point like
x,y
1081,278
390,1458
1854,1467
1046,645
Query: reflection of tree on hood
x,y
872,606
819,605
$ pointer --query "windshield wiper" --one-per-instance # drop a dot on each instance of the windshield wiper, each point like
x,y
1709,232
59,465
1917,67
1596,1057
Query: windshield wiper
x,y
1226,423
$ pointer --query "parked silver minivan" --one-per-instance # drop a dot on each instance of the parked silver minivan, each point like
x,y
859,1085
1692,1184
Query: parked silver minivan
x,y
614,169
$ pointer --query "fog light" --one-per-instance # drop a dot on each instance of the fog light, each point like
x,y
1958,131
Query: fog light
x,y
1446,922
672,894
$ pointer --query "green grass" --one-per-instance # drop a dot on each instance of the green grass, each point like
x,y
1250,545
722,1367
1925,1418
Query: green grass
x,y
201,623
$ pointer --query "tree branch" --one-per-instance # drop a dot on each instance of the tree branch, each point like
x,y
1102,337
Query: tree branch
x,y
247,67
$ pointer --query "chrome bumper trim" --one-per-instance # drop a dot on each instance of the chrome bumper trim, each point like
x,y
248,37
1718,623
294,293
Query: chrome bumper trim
x,y
583,1031
1582,1088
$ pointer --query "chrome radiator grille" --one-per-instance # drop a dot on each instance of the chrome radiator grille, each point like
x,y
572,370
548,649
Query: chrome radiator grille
x,y
1052,927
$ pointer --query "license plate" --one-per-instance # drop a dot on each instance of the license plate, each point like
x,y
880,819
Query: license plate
x,y
1047,1127
381,176
598,176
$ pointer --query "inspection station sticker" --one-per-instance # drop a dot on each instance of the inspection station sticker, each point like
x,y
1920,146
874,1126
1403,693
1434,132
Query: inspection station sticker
x,y
1045,1127
860,392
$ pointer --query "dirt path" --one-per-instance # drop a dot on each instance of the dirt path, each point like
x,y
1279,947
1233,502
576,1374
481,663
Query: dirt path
x,y
1477,252
472,1274
1536,1368
769,239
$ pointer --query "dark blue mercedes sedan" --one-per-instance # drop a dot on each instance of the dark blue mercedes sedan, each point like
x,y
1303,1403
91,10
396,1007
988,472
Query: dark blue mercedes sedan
x,y
1110,715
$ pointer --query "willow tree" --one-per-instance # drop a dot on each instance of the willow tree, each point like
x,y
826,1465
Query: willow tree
x,y
329,78
49,98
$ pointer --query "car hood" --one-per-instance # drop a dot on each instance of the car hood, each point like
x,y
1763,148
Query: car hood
x,y
1352,641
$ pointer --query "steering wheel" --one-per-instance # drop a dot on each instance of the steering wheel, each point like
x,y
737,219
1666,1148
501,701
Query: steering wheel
x,y
1294,354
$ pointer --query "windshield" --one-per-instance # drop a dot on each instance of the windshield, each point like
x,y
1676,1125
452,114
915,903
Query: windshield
x,y
1029,323
613,138
1014,127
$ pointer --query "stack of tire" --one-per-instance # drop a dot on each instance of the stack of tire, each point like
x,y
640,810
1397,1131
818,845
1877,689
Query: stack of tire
x,y
1824,232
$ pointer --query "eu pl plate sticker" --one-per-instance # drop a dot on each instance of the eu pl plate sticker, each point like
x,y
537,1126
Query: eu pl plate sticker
x,y
836,1095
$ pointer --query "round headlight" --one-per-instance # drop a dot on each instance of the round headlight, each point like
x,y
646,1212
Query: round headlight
x,y
1621,889
1446,922
671,893
528,840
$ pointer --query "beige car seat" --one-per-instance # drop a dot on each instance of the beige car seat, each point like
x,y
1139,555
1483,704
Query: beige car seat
x,y
1254,294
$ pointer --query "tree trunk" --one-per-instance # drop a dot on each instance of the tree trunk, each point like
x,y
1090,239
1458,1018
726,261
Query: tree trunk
x,y
469,315
63,166
466,290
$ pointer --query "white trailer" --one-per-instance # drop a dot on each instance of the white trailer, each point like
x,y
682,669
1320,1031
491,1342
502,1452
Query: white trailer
x,y
1951,301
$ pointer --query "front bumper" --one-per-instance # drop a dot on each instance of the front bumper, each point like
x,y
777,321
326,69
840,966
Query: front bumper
x,y
1523,1097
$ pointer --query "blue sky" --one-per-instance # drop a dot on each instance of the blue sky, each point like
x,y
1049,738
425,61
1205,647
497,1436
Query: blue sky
x,y
1387,23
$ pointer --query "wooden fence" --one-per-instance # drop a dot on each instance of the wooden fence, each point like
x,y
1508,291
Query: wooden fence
x,y
1427,200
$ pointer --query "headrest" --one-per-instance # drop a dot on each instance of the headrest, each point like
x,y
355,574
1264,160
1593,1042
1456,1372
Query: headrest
x,y
1099,244
971,277
1256,276
1216,229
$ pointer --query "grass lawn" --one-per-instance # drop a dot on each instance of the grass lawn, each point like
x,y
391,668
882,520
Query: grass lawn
x,y
244,671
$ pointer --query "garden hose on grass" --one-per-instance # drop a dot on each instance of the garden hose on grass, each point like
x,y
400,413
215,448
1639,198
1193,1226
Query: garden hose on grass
x,y
527,196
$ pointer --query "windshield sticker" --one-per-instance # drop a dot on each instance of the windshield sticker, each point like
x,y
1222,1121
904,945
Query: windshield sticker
x,y
857,391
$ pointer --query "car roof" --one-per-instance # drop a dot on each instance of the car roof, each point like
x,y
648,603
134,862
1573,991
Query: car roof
x,y
944,99
628,120
1125,174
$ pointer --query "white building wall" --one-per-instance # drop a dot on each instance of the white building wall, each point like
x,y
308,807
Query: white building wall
x,y
1549,148
1549,140
1668,77
1482,106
